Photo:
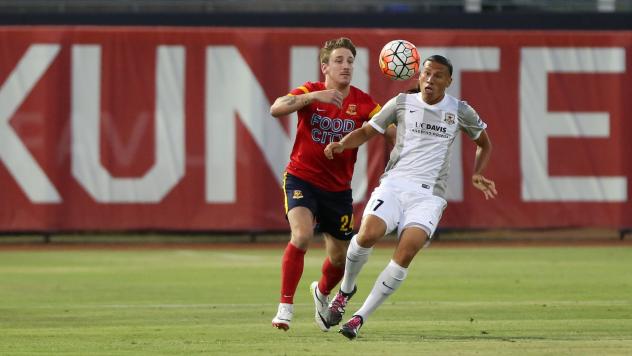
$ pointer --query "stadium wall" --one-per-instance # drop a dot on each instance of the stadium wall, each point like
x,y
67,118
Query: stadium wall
x,y
167,128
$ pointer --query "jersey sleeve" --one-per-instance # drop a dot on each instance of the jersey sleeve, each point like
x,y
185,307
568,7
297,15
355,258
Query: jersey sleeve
x,y
371,105
385,116
469,121
375,110
303,89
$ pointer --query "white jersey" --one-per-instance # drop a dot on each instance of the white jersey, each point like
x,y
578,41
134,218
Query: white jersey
x,y
425,134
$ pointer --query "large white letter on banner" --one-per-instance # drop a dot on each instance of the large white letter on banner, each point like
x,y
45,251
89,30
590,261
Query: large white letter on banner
x,y
464,59
537,124
19,162
232,88
169,135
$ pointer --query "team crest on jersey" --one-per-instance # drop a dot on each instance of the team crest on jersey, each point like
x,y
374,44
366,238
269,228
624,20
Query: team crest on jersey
x,y
449,118
351,109
297,194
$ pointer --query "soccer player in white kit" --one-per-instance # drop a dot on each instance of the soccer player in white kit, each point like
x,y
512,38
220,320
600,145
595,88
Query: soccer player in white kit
x,y
410,197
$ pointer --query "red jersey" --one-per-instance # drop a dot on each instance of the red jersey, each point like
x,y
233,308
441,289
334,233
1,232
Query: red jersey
x,y
321,123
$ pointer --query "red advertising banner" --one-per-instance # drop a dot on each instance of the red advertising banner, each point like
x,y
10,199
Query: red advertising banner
x,y
121,128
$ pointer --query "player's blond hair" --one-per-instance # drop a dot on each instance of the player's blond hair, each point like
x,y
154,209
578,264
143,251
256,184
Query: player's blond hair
x,y
331,45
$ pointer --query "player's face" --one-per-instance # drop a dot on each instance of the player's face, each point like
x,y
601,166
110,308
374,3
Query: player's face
x,y
339,69
434,79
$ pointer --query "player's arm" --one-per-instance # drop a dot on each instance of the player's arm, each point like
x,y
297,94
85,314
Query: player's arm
x,y
483,153
290,103
352,140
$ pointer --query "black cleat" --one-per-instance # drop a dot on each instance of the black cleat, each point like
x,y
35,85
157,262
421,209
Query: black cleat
x,y
350,328
337,306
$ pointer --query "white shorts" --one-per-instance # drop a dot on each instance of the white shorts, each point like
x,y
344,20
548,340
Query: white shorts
x,y
402,204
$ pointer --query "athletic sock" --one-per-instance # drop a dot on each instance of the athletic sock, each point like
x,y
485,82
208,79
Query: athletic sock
x,y
291,272
356,258
330,277
386,284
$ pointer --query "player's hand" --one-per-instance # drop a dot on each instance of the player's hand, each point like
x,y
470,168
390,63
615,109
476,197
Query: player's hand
x,y
333,147
331,96
487,186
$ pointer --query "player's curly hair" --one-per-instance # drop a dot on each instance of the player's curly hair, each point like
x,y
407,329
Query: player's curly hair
x,y
331,45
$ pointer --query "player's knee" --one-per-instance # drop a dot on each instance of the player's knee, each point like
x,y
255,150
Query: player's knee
x,y
404,256
367,239
338,260
369,236
301,238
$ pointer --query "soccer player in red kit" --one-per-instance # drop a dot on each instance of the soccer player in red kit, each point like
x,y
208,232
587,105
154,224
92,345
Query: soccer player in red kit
x,y
317,190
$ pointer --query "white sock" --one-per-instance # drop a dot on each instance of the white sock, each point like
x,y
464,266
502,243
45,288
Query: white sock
x,y
356,258
386,284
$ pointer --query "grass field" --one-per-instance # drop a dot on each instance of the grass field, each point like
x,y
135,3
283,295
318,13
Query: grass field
x,y
456,301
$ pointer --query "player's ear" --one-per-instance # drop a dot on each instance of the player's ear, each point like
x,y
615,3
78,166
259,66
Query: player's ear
x,y
323,68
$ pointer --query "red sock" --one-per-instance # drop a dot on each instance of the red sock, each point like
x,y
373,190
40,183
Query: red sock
x,y
291,272
331,276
